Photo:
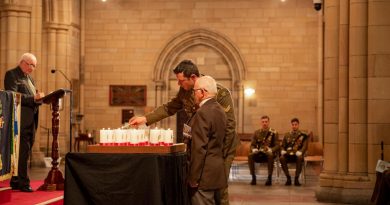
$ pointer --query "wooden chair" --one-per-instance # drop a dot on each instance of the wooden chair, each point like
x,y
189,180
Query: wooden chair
x,y
241,157
82,137
314,154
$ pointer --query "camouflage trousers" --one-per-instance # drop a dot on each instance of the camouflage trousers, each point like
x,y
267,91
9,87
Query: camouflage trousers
x,y
284,159
224,192
260,157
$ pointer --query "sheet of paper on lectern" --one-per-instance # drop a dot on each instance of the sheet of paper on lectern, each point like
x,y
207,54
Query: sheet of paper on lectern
x,y
382,166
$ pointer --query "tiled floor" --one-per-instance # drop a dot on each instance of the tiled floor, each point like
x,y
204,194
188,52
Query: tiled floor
x,y
241,193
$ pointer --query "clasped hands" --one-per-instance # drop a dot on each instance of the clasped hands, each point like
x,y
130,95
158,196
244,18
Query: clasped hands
x,y
265,150
298,153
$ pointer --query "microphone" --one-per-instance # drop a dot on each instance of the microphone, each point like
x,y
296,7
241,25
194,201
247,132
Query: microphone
x,y
71,105
63,74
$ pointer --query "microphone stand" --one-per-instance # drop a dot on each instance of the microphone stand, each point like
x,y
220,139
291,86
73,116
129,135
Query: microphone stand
x,y
70,118
71,106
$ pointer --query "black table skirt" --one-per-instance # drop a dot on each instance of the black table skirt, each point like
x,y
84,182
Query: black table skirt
x,y
125,179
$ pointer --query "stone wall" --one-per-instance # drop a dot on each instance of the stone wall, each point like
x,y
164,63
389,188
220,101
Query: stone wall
x,y
278,42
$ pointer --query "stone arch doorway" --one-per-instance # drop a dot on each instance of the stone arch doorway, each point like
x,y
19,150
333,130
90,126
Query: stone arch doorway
x,y
214,54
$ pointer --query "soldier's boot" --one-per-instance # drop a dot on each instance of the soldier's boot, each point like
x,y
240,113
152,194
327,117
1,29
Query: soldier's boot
x,y
288,182
269,181
253,182
296,181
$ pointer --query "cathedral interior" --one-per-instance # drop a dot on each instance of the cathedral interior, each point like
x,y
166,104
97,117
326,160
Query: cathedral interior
x,y
326,63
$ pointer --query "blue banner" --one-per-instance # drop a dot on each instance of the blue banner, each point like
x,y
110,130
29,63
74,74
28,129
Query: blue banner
x,y
7,140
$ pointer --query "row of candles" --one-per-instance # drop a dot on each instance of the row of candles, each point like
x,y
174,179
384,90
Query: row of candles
x,y
136,137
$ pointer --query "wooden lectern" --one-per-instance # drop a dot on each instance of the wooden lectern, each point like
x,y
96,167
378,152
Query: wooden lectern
x,y
55,179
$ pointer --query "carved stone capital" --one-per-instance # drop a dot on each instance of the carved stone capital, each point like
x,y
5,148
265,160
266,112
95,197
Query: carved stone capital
x,y
160,84
15,8
56,26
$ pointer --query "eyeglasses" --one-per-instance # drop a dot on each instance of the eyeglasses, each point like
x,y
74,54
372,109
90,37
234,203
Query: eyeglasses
x,y
30,64
194,90
202,89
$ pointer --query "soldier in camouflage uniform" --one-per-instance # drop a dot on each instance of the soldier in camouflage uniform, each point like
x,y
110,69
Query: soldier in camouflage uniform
x,y
187,73
264,148
294,146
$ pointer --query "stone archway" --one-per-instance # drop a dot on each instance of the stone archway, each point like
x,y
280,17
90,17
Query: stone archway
x,y
184,40
207,38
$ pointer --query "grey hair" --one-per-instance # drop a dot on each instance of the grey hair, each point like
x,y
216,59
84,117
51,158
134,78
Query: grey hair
x,y
27,56
208,83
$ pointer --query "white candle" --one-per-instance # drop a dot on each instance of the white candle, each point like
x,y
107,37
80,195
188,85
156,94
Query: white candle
x,y
161,138
142,136
154,136
147,140
168,139
127,136
110,136
133,136
123,133
139,137
117,136
103,136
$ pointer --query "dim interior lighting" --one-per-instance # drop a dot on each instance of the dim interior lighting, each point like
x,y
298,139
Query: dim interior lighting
x,y
104,0
249,92
283,0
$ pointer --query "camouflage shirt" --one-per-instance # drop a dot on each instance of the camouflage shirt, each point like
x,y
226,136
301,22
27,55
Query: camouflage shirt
x,y
295,141
265,138
185,100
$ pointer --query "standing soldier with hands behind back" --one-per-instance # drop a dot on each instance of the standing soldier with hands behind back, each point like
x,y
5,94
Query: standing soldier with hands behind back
x,y
264,147
294,146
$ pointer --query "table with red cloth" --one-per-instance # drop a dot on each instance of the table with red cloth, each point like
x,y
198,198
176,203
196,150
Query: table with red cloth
x,y
153,179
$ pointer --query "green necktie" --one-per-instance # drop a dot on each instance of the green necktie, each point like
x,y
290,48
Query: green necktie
x,y
31,86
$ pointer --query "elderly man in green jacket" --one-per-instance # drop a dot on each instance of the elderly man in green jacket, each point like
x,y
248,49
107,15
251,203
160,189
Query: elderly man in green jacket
x,y
187,73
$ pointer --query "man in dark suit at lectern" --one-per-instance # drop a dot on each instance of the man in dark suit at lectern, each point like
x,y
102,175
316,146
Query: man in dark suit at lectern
x,y
19,80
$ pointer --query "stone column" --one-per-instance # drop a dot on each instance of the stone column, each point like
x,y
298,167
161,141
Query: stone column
x,y
15,34
82,59
57,57
349,183
331,104
343,87
378,83
20,33
159,89
240,112
320,83
358,89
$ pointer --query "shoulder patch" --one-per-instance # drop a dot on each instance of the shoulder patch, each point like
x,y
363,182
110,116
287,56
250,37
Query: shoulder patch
x,y
227,108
